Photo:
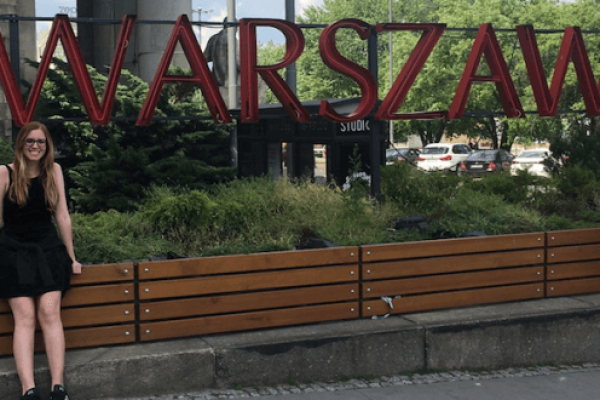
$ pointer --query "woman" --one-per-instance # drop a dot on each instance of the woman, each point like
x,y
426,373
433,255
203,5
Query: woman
x,y
35,264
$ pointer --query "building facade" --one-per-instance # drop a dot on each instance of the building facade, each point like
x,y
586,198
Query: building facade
x,y
148,40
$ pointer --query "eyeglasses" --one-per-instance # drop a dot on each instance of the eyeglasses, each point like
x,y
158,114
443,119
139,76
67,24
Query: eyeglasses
x,y
30,142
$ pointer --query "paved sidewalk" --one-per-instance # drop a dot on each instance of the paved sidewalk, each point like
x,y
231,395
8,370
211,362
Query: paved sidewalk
x,y
577,382
561,331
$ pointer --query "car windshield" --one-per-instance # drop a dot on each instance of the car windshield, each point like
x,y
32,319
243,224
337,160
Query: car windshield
x,y
435,150
483,156
533,154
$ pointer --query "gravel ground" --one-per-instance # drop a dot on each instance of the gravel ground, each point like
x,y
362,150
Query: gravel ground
x,y
375,382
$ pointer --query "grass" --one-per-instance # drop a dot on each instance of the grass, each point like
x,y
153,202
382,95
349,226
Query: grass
x,y
262,214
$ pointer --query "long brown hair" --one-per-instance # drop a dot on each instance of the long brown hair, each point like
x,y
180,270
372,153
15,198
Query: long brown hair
x,y
19,190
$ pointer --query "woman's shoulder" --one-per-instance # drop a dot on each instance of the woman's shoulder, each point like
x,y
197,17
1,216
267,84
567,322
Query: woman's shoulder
x,y
4,176
4,171
57,168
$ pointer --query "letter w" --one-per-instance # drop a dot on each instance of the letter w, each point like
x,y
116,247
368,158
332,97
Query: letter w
x,y
99,114
571,49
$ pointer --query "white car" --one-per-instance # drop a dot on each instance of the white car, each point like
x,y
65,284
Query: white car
x,y
536,161
442,156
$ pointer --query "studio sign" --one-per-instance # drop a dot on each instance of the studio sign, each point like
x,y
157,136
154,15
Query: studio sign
x,y
355,126
485,44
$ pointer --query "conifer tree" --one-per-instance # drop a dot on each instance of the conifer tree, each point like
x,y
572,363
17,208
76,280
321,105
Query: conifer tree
x,y
111,167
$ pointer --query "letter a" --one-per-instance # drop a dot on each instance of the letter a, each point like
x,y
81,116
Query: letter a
x,y
487,44
182,32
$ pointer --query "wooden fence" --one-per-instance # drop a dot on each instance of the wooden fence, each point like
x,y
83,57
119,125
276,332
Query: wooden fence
x,y
451,273
140,302
573,262
98,310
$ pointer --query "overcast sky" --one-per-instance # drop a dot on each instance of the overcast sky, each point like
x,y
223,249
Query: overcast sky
x,y
212,10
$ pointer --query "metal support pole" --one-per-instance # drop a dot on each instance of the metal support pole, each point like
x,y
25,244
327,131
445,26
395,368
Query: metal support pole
x,y
232,74
290,78
290,73
391,133
15,60
376,128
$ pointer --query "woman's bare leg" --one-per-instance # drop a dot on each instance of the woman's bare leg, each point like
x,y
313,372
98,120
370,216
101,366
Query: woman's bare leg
x,y
48,307
23,309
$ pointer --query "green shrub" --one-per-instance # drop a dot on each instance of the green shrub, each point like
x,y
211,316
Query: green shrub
x,y
415,192
513,189
556,222
579,184
475,211
190,210
6,152
262,214
111,236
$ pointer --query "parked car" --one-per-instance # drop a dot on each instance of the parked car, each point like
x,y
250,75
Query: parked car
x,y
485,161
401,155
537,162
442,156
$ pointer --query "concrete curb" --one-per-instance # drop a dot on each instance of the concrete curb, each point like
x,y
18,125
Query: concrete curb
x,y
547,331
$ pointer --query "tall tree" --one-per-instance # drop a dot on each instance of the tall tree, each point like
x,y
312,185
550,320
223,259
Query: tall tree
x,y
111,167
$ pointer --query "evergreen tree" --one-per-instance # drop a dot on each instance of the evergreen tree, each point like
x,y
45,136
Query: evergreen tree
x,y
111,167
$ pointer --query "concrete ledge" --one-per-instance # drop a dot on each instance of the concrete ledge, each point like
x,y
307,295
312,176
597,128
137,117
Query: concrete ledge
x,y
548,331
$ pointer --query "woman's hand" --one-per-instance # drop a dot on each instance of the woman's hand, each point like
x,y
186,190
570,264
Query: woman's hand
x,y
76,267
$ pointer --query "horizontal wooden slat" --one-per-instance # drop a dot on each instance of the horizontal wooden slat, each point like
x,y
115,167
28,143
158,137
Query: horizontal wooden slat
x,y
247,302
411,304
103,273
84,316
439,265
102,336
574,286
573,270
441,283
103,315
433,248
5,345
247,263
6,323
573,253
574,236
78,338
247,321
247,282
4,307
106,294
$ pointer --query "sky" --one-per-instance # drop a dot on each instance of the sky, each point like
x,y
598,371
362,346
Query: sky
x,y
211,10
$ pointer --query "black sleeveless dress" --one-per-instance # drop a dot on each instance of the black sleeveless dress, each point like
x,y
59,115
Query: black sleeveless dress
x,y
33,258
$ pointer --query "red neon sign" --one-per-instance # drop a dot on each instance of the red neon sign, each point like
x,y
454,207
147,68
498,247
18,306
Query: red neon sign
x,y
485,44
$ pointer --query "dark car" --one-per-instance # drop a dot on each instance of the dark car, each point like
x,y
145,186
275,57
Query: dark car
x,y
401,155
485,161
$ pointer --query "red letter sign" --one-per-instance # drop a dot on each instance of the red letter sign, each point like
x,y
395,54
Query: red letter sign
x,y
571,49
402,84
99,114
201,75
487,44
249,69
334,60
